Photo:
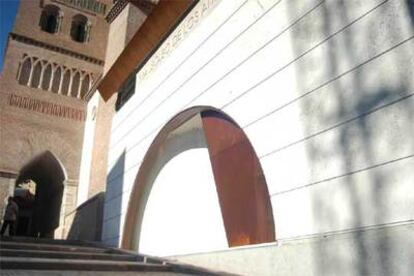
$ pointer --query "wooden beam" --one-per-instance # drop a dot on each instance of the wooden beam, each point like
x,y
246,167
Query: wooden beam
x,y
158,24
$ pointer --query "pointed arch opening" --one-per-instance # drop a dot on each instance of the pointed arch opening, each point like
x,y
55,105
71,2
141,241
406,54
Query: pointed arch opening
x,y
39,213
65,83
80,28
57,76
239,180
50,19
47,76
85,86
37,71
25,72
75,85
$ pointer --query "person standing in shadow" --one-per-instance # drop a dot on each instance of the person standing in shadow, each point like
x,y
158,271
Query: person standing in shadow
x,y
10,217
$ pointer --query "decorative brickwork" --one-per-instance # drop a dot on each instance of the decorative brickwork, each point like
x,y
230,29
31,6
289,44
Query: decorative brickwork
x,y
54,48
50,65
48,76
47,108
89,5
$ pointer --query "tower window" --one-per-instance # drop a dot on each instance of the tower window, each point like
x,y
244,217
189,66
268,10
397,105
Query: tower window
x,y
56,80
81,27
25,72
47,77
51,19
65,83
85,86
37,72
75,85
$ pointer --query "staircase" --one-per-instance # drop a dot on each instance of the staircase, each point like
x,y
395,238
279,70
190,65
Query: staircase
x,y
35,257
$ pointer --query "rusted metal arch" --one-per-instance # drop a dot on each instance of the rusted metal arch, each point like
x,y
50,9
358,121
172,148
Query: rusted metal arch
x,y
241,186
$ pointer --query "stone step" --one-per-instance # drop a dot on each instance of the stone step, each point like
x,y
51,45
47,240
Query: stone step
x,y
53,247
86,273
24,256
49,241
8,263
64,265
68,255
68,247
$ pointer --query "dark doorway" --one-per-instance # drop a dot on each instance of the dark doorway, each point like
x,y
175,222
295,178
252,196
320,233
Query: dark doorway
x,y
24,195
38,192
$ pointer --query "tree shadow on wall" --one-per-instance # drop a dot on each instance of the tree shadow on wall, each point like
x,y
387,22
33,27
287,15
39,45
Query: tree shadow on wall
x,y
113,203
357,123
410,7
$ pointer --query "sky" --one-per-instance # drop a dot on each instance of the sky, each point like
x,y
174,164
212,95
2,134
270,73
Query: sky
x,y
8,10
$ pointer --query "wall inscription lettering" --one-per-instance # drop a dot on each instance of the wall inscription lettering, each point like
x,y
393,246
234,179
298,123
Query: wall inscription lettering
x,y
188,24
47,108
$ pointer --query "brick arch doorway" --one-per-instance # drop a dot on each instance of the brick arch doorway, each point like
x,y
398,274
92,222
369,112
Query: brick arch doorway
x,y
240,183
43,213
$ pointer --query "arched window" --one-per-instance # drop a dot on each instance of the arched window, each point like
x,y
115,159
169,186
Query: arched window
x,y
56,80
51,19
25,72
75,85
65,83
47,75
85,86
37,71
80,29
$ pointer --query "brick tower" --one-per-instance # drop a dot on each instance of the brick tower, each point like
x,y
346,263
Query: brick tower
x,y
54,55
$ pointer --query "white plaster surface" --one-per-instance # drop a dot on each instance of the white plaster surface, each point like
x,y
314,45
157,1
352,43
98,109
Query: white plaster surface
x,y
322,90
382,251
87,148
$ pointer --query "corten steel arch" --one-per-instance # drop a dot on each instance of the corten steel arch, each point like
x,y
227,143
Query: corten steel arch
x,y
241,186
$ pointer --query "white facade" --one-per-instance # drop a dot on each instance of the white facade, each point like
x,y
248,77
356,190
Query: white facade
x,y
323,90
87,149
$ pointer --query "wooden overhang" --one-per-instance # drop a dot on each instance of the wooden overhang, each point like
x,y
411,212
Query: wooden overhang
x,y
164,17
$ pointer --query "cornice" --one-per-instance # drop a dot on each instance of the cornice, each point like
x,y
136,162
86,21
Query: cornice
x,y
116,10
54,48
145,6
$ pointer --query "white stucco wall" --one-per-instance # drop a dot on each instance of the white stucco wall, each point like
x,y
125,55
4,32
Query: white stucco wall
x,y
381,251
117,37
86,160
323,90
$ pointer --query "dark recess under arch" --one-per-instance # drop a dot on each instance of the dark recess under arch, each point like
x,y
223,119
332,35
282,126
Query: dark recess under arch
x,y
49,175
